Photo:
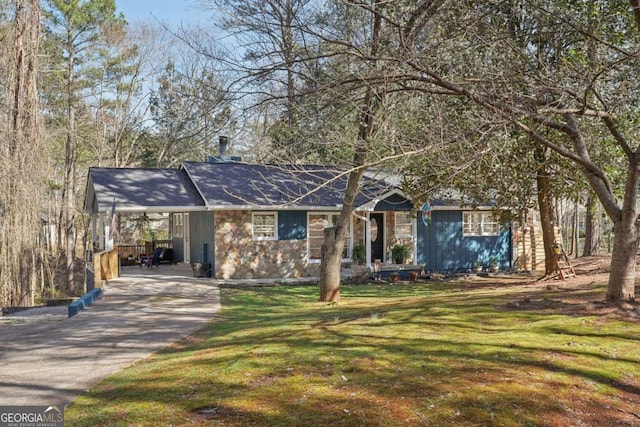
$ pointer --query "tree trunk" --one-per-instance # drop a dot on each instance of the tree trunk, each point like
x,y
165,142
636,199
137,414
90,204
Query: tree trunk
x,y
331,261
545,206
593,231
622,278
69,205
334,238
575,232
70,173
20,157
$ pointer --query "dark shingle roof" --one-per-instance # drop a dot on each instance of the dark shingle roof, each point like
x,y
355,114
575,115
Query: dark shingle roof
x,y
226,185
135,189
230,185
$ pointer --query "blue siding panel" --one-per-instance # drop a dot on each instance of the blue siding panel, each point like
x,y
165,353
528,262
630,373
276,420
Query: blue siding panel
x,y
178,248
292,225
442,247
201,234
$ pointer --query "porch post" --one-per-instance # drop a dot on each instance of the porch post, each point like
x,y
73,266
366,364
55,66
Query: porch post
x,y
109,228
367,240
414,238
101,241
94,230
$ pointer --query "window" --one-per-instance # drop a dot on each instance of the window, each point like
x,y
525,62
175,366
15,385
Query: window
x,y
374,229
264,225
404,225
316,224
480,224
178,225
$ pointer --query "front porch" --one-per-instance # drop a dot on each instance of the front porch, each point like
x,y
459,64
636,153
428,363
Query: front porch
x,y
404,271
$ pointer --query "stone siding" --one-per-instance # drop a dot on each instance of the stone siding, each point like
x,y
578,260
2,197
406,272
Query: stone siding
x,y
358,229
238,256
392,239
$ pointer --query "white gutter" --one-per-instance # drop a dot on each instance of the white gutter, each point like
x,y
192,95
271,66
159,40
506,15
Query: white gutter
x,y
153,209
460,208
271,208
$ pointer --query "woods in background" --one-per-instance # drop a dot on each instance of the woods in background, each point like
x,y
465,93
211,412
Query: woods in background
x,y
508,101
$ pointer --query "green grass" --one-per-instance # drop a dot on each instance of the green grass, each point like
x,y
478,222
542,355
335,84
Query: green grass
x,y
446,354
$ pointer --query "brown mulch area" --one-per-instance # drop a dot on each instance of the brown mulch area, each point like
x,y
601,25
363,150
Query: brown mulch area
x,y
582,295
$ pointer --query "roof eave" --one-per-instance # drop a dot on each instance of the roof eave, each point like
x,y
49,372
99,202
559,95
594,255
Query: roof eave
x,y
152,209
273,208
461,208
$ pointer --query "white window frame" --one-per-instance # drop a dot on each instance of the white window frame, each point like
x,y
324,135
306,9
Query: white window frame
x,y
480,223
274,235
178,225
329,217
401,227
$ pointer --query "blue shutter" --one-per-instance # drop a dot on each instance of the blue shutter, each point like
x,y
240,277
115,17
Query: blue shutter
x,y
292,225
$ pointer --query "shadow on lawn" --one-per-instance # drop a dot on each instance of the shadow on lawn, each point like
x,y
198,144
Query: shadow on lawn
x,y
390,356
585,300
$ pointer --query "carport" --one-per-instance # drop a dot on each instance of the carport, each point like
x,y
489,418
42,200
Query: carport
x,y
114,191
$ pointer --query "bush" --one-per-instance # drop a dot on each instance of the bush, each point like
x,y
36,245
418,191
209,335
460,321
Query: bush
x,y
359,253
400,253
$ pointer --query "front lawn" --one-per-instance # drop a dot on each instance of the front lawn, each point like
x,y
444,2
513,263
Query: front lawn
x,y
434,354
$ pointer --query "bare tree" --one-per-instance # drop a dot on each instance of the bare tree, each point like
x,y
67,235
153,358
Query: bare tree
x,y
22,257
119,105
271,36
188,108
79,29
372,104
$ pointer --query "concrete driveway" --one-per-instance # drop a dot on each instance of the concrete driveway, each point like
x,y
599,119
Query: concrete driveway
x,y
140,313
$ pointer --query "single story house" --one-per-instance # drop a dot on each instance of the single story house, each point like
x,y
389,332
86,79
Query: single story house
x,y
260,221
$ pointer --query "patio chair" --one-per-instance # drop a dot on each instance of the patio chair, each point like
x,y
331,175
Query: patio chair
x,y
155,259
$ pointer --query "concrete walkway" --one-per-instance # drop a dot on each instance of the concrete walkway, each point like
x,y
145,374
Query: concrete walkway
x,y
54,362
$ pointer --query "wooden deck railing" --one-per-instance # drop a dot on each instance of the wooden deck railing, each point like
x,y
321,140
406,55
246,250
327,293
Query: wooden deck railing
x,y
131,254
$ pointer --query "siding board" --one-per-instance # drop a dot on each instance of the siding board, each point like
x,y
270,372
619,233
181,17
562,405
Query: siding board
x,y
442,247
178,248
201,229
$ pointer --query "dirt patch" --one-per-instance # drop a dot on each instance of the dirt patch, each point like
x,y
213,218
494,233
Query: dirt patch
x,y
581,295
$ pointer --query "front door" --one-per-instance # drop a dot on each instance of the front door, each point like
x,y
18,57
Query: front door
x,y
377,236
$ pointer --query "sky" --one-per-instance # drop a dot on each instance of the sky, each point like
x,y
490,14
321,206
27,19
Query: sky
x,y
172,12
